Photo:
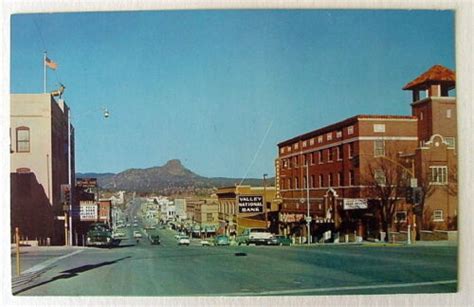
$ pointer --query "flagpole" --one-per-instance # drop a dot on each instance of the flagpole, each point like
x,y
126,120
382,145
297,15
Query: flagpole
x,y
44,72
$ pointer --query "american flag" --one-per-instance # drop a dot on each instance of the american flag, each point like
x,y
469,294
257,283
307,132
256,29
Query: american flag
x,y
50,63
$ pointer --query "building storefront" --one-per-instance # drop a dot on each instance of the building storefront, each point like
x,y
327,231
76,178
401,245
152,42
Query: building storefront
x,y
242,207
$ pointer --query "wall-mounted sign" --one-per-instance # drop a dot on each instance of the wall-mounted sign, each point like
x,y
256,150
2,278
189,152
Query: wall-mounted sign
x,y
355,203
250,204
88,211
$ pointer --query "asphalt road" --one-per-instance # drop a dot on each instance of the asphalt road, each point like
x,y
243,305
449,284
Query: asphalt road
x,y
169,270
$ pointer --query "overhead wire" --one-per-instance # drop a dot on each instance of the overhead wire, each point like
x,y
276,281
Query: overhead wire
x,y
45,49
257,152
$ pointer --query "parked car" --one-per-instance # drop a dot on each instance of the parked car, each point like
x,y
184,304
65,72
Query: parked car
x,y
254,236
183,240
221,240
279,240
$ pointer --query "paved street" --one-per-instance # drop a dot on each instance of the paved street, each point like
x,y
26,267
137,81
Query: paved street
x,y
169,270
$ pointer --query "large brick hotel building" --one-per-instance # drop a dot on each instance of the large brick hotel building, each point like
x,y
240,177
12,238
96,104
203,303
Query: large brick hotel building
x,y
329,166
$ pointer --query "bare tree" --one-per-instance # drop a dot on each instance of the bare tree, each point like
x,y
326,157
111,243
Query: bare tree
x,y
386,180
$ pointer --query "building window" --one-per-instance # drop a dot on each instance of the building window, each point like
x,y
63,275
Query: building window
x,y
209,217
297,184
22,139
311,142
451,141
351,150
321,181
350,130
421,115
305,182
340,179
329,154
295,146
289,184
312,157
439,175
339,153
438,215
295,161
285,163
305,159
351,178
311,183
400,217
320,139
329,136
379,128
304,143
448,113
320,157
282,150
379,148
288,148
338,134
330,180
379,177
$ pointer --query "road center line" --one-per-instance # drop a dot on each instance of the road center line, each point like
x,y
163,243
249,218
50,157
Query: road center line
x,y
299,291
47,263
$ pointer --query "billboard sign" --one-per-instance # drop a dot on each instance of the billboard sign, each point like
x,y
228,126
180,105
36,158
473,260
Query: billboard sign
x,y
250,204
355,203
88,211
86,183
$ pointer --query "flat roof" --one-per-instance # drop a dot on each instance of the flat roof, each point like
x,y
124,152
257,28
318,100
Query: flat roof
x,y
342,124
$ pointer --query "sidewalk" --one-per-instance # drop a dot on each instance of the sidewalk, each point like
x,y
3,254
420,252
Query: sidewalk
x,y
374,244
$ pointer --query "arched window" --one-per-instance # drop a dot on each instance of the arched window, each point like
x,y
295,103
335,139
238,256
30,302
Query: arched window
x,y
22,139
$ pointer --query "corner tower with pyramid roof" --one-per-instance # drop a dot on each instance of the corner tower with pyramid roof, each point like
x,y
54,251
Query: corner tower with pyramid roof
x,y
435,159
435,110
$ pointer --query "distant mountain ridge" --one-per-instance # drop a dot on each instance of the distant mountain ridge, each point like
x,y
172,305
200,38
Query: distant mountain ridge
x,y
170,178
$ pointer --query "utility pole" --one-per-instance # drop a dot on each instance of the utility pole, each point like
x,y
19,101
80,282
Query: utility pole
x,y
17,240
308,217
71,197
265,198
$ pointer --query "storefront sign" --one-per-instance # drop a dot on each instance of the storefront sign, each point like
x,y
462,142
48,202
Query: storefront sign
x,y
250,204
355,203
88,211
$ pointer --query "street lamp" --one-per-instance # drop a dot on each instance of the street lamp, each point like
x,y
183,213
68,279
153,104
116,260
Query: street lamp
x,y
69,123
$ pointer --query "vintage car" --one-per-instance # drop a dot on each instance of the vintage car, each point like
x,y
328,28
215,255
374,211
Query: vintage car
x,y
279,240
221,240
100,234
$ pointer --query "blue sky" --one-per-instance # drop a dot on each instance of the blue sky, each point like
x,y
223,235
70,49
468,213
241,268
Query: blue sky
x,y
205,87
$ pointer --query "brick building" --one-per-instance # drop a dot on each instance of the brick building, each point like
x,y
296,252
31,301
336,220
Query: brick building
x,y
329,168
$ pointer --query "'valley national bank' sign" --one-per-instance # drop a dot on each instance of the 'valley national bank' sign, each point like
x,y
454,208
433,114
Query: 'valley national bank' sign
x,y
250,204
355,203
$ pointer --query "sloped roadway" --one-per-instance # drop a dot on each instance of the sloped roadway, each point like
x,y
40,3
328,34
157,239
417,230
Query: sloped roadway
x,y
170,270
